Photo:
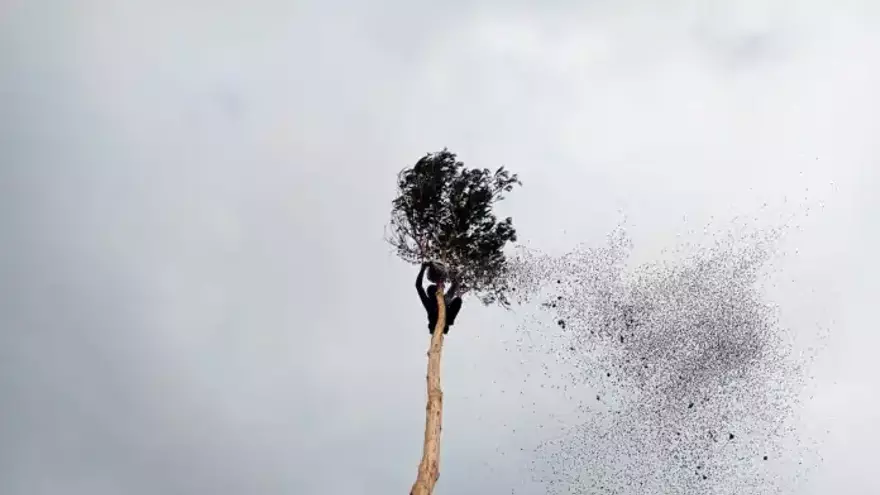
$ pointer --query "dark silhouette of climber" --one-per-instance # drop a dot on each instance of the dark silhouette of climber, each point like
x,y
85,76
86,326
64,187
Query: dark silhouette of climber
x,y
429,299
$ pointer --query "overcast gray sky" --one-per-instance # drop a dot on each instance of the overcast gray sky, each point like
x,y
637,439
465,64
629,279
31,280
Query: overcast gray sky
x,y
196,295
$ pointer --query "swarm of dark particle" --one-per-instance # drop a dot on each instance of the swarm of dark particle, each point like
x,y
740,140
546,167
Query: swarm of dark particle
x,y
696,375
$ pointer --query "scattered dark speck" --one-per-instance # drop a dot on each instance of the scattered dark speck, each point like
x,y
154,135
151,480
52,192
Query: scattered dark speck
x,y
765,457
731,436
561,324
691,405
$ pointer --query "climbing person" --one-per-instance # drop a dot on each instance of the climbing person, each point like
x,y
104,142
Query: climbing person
x,y
429,298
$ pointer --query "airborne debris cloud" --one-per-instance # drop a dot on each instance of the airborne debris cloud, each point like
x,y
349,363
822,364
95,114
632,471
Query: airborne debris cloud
x,y
696,354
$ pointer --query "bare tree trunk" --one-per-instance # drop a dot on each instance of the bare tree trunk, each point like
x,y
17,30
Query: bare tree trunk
x,y
429,468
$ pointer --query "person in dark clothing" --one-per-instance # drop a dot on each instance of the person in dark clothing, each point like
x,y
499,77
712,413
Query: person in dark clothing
x,y
429,301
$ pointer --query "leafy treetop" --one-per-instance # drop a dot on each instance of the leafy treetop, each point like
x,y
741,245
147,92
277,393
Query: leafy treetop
x,y
443,212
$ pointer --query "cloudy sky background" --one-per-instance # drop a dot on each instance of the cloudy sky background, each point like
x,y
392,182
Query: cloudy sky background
x,y
196,295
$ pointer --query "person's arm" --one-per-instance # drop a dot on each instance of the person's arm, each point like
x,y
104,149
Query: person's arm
x,y
420,288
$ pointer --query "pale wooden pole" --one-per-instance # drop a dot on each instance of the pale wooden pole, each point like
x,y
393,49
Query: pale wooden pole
x,y
429,468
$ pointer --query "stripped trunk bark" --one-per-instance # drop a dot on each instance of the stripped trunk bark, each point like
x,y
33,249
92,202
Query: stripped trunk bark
x,y
429,467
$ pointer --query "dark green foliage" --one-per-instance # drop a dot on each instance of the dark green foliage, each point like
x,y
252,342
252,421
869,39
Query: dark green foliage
x,y
443,211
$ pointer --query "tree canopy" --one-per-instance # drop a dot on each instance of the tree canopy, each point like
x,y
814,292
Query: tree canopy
x,y
444,212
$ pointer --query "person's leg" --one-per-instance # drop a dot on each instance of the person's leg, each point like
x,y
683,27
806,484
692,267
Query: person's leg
x,y
452,310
